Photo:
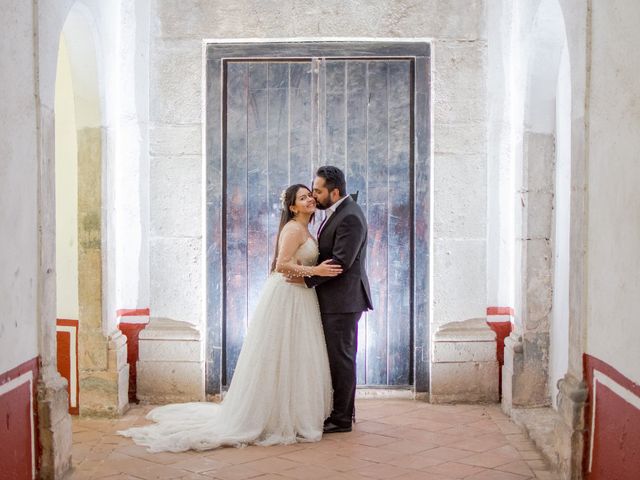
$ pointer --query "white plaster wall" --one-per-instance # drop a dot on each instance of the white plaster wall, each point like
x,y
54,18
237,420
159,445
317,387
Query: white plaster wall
x,y
18,187
109,51
501,16
559,329
66,151
613,258
457,29
131,172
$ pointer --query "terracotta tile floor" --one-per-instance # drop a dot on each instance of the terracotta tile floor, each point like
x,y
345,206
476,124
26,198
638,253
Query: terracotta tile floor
x,y
401,439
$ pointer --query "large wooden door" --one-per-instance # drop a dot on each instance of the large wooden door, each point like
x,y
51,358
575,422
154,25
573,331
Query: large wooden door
x,y
280,118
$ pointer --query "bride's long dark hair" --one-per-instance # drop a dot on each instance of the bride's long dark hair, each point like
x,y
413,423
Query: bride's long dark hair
x,y
287,200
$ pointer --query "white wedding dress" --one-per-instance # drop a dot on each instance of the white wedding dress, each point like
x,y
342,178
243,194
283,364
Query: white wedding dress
x,y
281,388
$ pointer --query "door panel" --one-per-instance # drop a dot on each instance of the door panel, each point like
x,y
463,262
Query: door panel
x,y
267,147
368,134
283,119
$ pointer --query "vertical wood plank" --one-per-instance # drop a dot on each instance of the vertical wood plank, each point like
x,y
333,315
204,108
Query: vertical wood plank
x,y
257,174
300,135
277,144
335,121
377,153
356,169
236,214
399,271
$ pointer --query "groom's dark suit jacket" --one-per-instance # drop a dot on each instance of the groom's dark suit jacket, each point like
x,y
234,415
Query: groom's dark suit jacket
x,y
343,238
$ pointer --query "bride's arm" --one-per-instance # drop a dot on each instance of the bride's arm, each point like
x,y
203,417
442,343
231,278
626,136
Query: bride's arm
x,y
291,238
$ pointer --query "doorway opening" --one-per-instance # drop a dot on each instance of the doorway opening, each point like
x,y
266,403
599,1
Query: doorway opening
x,y
274,113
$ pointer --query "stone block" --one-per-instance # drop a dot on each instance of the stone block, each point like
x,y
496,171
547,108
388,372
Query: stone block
x,y
464,364
175,140
539,215
171,364
54,426
539,153
464,351
167,382
176,278
459,279
176,196
450,58
460,196
182,351
460,138
176,83
464,382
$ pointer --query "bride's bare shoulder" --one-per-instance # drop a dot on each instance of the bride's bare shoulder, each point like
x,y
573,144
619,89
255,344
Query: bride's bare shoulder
x,y
294,229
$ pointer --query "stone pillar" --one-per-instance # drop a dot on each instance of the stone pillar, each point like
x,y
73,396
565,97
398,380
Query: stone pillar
x,y
104,371
171,362
525,373
464,366
104,389
569,430
54,422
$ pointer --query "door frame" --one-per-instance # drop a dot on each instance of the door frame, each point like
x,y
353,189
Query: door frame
x,y
216,54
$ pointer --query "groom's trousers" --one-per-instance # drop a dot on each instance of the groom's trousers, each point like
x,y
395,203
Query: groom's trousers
x,y
341,336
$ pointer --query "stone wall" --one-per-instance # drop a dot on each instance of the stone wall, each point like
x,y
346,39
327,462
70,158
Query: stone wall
x,y
457,32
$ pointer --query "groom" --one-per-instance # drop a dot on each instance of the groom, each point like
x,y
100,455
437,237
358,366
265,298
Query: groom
x,y
341,237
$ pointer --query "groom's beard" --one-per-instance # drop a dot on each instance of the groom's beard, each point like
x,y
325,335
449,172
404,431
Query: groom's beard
x,y
324,206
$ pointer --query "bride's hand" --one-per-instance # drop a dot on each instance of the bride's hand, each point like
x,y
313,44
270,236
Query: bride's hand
x,y
327,269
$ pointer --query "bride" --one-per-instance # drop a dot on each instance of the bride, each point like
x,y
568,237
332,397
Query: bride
x,y
281,389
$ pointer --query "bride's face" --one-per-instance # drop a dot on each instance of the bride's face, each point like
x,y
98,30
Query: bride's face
x,y
305,203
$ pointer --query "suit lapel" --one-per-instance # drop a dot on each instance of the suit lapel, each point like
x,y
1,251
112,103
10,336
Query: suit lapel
x,y
328,223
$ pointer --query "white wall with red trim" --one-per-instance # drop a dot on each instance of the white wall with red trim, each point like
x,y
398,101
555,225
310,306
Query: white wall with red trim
x,y
613,258
66,145
612,360
18,188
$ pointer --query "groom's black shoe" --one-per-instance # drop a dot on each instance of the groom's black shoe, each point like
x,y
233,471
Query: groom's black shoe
x,y
330,427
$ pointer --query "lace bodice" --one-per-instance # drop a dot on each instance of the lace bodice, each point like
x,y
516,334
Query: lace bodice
x,y
307,253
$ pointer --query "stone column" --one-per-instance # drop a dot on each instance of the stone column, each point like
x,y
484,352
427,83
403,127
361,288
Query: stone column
x,y
104,371
54,422
569,430
525,373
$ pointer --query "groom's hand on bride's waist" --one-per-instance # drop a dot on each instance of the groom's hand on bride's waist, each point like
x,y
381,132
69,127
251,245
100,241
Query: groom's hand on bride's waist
x,y
297,280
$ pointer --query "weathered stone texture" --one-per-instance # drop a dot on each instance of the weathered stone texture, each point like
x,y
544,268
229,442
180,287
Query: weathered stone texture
x,y
464,366
176,196
104,391
54,427
175,140
458,19
176,86
459,274
171,365
460,196
176,278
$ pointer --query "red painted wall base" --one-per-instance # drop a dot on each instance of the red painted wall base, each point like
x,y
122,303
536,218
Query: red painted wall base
x,y
612,418
18,459
499,319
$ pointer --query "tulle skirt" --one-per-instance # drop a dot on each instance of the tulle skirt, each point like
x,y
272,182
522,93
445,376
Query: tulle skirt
x,y
281,388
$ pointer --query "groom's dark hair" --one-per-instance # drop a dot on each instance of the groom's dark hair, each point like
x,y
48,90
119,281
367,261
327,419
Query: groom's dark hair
x,y
334,178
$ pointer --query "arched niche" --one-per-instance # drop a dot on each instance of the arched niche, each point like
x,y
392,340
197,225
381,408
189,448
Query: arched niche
x,y
98,379
539,352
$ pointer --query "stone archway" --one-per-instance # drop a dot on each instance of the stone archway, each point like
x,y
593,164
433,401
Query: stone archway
x,y
98,382
540,354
